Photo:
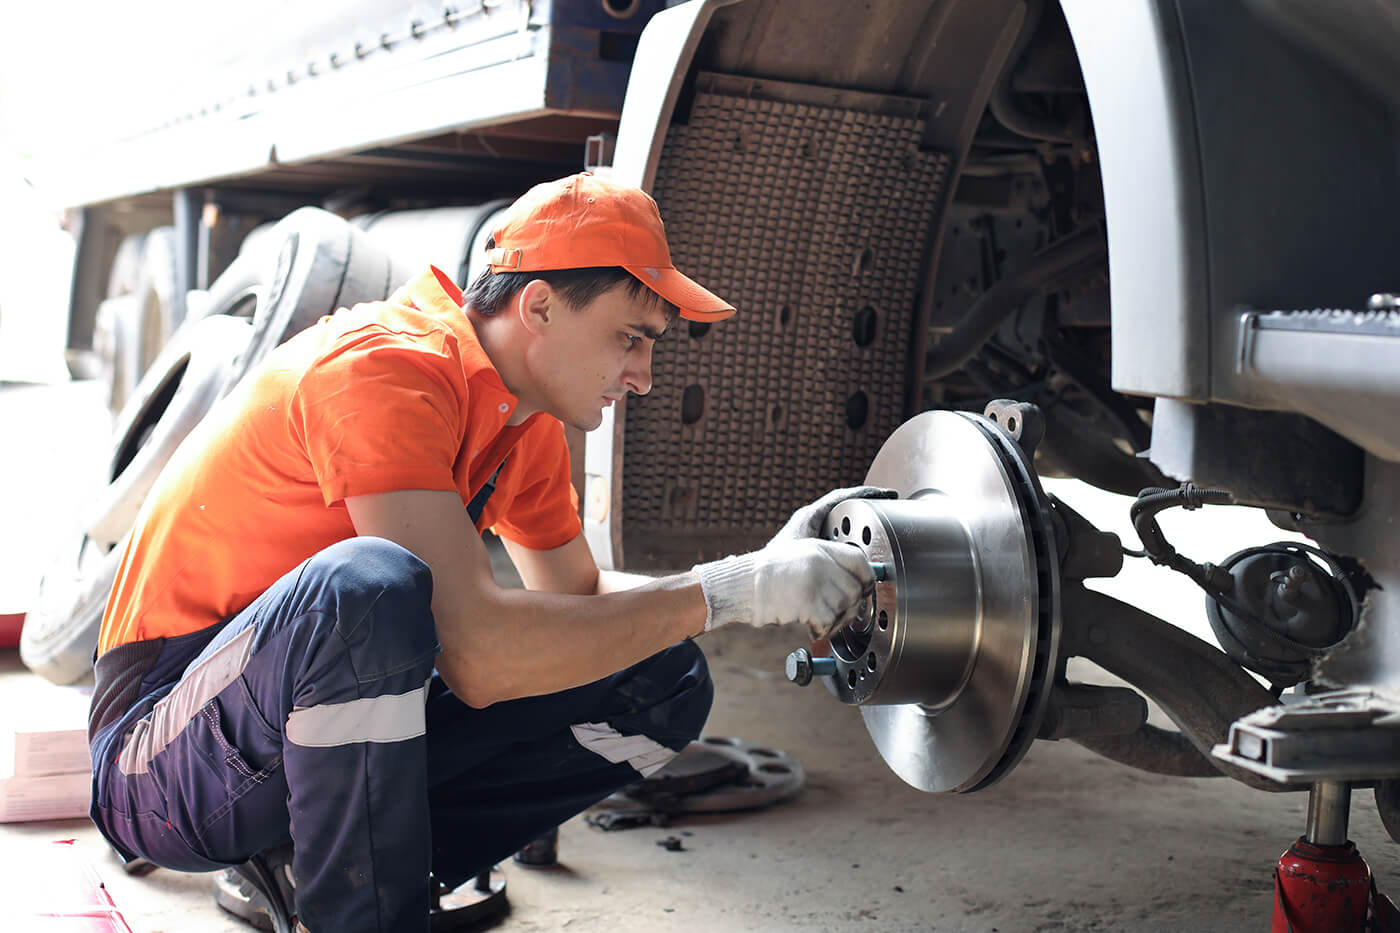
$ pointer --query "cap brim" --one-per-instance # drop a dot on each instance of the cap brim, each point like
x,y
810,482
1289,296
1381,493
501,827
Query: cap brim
x,y
695,303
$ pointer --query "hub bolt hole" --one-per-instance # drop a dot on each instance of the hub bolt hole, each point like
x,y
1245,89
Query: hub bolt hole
x,y
851,678
846,525
884,620
865,535
870,661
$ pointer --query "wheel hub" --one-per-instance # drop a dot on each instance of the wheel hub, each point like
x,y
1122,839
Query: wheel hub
x,y
950,660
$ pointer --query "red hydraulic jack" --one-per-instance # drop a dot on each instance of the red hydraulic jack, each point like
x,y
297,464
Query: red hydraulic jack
x,y
1322,884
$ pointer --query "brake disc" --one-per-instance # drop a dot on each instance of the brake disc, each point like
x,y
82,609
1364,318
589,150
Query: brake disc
x,y
952,659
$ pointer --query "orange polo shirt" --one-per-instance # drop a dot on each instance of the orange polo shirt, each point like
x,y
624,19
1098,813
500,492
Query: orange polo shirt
x,y
384,396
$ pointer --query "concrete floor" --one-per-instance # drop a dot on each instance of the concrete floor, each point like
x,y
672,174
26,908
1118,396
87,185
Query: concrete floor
x,y
1067,842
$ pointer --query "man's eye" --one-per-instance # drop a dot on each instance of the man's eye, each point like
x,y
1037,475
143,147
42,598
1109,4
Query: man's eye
x,y
631,339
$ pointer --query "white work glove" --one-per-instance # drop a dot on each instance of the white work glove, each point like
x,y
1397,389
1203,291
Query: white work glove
x,y
819,583
807,521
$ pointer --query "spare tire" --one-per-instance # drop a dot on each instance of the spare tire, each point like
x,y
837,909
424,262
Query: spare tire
x,y
60,631
440,236
239,292
114,339
474,263
126,266
192,373
322,263
157,293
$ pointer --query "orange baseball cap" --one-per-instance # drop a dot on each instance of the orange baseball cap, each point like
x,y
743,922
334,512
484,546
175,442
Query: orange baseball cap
x,y
583,221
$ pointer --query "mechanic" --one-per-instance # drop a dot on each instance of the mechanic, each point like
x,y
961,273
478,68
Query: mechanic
x,y
306,646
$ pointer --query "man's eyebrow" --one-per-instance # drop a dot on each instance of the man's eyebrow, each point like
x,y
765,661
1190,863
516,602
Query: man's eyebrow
x,y
651,332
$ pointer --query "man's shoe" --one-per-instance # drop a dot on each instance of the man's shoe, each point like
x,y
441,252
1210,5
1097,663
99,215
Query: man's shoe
x,y
261,890
476,905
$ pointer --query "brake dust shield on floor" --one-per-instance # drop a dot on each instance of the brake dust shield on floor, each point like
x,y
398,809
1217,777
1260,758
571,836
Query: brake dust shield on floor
x,y
714,774
951,659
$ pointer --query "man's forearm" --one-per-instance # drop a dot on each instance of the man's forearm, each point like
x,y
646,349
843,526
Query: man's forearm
x,y
518,643
617,581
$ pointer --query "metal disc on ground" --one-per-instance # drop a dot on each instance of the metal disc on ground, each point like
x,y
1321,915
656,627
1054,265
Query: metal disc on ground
x,y
742,775
470,905
951,660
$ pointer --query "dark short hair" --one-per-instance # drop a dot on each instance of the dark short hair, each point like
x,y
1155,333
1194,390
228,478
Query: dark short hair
x,y
491,291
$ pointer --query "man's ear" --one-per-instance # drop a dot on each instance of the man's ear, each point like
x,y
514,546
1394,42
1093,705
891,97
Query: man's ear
x,y
537,305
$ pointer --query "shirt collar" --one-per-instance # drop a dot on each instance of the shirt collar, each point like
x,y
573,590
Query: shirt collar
x,y
434,291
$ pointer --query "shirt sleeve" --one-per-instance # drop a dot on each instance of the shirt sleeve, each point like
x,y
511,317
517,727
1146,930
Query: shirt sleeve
x,y
380,411
544,513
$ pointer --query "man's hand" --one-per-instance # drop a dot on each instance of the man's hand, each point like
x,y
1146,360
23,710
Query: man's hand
x,y
818,583
807,521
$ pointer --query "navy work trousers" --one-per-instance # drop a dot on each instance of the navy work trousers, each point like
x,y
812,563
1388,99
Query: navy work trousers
x,y
315,716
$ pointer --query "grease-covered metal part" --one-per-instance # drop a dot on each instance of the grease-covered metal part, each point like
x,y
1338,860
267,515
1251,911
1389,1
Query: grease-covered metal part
x,y
952,662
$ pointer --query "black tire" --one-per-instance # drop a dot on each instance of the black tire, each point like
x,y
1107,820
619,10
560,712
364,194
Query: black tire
x,y
126,266
474,263
158,296
241,291
441,236
322,264
60,632
194,371
114,338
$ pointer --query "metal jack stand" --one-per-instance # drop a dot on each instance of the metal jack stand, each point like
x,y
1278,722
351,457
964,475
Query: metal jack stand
x,y
1322,884
1329,742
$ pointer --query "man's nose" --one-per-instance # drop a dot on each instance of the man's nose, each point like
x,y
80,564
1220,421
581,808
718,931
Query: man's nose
x,y
637,377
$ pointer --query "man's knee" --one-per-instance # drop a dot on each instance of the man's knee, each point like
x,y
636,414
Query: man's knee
x,y
700,690
375,591
681,692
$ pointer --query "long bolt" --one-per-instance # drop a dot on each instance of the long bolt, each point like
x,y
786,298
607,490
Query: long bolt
x,y
801,667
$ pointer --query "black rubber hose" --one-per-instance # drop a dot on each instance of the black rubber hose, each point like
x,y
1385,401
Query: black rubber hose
x,y
1002,102
1144,516
1160,751
1039,275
